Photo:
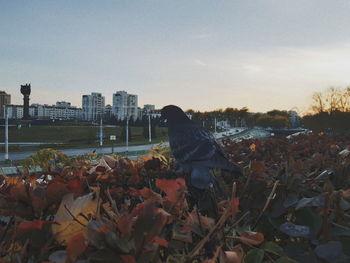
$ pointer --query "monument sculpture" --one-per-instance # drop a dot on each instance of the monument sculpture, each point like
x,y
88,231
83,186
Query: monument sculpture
x,y
25,90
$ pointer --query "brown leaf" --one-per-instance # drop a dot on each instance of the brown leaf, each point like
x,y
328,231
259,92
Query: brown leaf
x,y
72,214
251,238
75,247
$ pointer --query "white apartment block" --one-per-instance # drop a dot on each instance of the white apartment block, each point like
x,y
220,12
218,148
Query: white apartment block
x,y
125,105
39,111
58,112
16,111
93,106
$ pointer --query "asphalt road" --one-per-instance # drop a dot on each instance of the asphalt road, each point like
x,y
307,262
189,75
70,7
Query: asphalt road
x,y
71,152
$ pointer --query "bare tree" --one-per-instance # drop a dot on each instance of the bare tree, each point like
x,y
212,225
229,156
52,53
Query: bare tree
x,y
332,100
319,102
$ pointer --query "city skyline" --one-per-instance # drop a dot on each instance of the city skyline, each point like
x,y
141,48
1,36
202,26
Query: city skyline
x,y
200,55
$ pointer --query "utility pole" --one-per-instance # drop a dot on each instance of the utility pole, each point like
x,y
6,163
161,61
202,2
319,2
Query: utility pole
x,y
149,128
215,125
6,133
127,133
101,133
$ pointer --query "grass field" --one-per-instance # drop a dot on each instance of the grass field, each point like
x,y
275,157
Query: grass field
x,y
75,136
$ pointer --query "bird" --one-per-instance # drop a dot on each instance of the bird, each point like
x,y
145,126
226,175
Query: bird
x,y
195,149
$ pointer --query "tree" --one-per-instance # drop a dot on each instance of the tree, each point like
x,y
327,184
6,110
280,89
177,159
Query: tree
x,y
276,121
331,100
123,133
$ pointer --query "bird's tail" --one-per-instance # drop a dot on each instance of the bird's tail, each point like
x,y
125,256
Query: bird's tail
x,y
222,163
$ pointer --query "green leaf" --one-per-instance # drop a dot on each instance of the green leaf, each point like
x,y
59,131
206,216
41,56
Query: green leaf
x,y
273,248
254,256
308,217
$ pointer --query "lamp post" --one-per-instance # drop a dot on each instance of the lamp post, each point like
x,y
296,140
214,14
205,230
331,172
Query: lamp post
x,y
101,133
149,128
6,134
127,134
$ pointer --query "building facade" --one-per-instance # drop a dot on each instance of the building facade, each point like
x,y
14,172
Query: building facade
x,y
16,111
58,112
5,99
93,106
45,112
125,105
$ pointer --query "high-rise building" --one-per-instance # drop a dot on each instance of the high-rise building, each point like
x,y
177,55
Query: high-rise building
x,y
63,104
16,112
108,112
5,99
93,106
125,105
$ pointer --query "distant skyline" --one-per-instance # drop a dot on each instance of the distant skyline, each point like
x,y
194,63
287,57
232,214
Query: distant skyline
x,y
198,54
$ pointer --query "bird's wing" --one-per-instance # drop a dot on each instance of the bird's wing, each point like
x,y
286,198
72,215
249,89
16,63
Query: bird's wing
x,y
191,143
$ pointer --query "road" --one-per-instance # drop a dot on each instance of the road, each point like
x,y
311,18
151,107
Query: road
x,y
72,152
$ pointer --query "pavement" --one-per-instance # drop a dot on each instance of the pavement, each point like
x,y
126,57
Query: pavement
x,y
72,152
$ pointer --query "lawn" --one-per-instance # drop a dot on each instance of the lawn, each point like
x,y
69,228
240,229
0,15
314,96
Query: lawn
x,y
76,136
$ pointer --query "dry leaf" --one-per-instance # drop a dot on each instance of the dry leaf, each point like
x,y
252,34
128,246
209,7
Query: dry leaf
x,y
80,208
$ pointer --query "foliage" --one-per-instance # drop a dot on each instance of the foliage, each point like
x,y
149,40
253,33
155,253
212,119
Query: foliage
x,y
291,205
274,121
47,159
331,110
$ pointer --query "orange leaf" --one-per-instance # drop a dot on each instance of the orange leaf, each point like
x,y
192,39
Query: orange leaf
x,y
251,238
31,225
235,205
75,247
12,180
172,188
258,167
75,185
148,193
128,259
161,242
19,192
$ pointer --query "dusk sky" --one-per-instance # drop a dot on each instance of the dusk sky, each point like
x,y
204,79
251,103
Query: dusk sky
x,y
197,54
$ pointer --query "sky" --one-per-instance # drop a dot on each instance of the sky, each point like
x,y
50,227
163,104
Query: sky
x,y
197,54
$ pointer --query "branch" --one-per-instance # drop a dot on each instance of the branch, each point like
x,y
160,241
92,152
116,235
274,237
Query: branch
x,y
271,196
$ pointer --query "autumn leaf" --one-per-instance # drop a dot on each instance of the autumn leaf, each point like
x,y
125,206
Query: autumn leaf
x,y
55,192
148,193
258,167
31,225
251,238
72,215
160,241
19,192
235,205
173,188
75,247
76,186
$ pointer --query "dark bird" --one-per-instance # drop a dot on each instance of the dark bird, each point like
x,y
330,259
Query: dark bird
x,y
194,148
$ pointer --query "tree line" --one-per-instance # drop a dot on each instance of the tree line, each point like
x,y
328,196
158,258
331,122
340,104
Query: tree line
x,y
330,110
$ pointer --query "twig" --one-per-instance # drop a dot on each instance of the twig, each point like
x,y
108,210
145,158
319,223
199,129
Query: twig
x,y
5,231
218,226
248,179
239,220
233,193
24,250
270,197
199,221
74,218
113,203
